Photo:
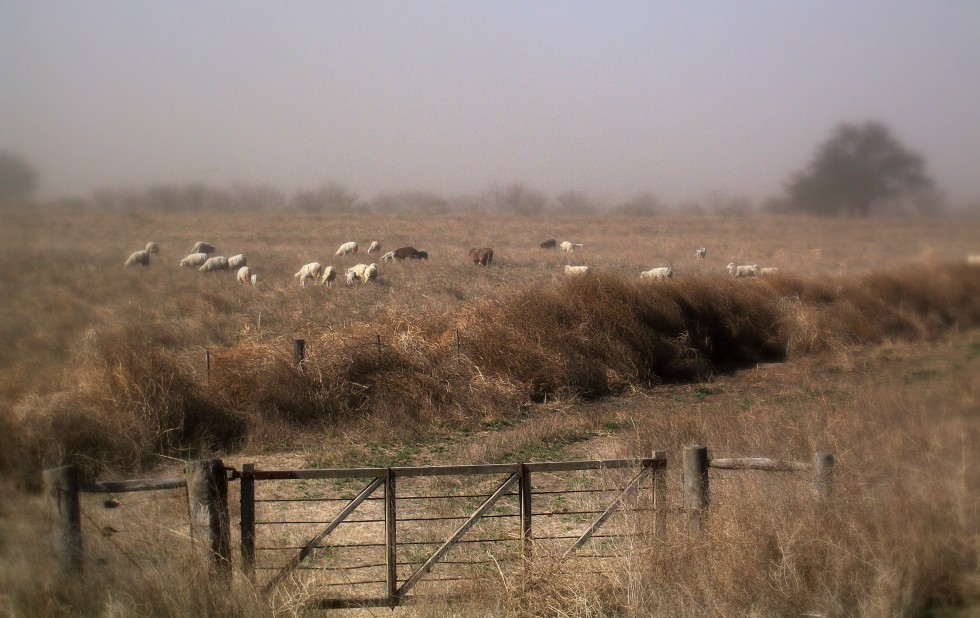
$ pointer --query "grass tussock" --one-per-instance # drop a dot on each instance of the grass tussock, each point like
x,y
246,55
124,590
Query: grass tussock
x,y
128,399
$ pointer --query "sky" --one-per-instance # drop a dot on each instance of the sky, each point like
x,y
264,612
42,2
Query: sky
x,y
611,98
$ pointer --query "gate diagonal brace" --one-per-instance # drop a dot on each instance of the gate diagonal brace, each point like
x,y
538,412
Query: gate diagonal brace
x,y
469,523
311,545
613,506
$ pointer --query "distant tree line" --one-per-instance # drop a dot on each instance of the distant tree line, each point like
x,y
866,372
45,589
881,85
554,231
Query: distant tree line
x,y
860,169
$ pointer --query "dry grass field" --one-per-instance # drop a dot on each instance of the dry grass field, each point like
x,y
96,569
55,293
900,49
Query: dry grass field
x,y
103,365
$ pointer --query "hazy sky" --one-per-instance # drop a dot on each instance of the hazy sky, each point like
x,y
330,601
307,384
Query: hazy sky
x,y
612,98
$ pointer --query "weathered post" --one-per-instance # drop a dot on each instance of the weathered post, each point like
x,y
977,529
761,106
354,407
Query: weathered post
x,y
61,488
659,490
524,491
696,492
247,521
207,502
823,474
391,541
299,350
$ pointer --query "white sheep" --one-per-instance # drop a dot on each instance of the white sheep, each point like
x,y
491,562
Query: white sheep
x,y
152,248
329,274
245,275
744,270
348,248
218,262
366,273
194,259
138,257
388,257
237,261
375,247
701,253
973,259
255,279
203,247
576,270
768,270
661,272
568,247
313,271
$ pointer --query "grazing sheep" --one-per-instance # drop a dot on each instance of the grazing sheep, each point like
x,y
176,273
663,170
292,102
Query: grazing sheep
x,y
313,271
244,275
767,270
406,252
661,272
483,257
152,248
568,247
375,247
701,253
744,270
255,279
348,248
203,247
237,261
139,257
388,257
973,259
329,274
551,243
218,262
194,259
366,273
421,255
576,270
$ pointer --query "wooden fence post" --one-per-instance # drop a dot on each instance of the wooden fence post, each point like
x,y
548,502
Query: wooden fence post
x,y
391,541
524,492
823,473
659,490
207,502
248,520
299,350
696,492
61,488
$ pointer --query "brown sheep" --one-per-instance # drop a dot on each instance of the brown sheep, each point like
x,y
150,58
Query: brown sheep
x,y
483,257
551,243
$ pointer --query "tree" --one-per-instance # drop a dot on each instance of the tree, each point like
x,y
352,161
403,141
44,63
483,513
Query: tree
x,y
18,179
858,166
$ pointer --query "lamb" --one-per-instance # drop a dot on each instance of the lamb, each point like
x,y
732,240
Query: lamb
x,y
139,257
329,274
366,273
237,261
483,257
744,270
348,248
375,247
152,248
568,247
701,253
767,270
203,247
388,257
313,271
551,243
576,270
245,276
194,259
661,272
218,262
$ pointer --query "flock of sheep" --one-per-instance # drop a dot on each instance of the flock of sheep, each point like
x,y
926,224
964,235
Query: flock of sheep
x,y
315,272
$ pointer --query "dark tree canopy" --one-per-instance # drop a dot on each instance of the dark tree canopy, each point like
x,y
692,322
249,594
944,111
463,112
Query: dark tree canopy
x,y
18,180
860,165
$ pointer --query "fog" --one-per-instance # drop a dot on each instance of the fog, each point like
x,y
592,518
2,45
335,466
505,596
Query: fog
x,y
613,99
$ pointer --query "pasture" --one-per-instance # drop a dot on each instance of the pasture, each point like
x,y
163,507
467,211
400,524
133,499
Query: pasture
x,y
876,320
